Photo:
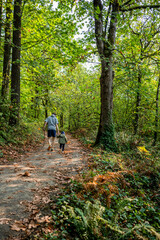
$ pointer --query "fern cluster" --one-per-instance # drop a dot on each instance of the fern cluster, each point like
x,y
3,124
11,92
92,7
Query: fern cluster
x,y
90,223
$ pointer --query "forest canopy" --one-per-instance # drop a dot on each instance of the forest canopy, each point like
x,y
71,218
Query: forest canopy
x,y
96,63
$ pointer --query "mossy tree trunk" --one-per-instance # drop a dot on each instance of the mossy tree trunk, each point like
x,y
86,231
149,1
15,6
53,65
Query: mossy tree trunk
x,y
105,43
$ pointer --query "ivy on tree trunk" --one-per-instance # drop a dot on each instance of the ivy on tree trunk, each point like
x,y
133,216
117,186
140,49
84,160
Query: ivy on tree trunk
x,y
105,43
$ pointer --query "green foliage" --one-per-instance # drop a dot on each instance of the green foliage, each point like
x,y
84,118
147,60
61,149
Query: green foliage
x,y
128,218
20,134
83,213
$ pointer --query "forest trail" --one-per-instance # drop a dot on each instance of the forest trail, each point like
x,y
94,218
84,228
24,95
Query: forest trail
x,y
28,185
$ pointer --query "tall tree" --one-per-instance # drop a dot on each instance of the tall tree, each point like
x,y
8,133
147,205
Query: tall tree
x,y
1,6
105,46
105,32
157,111
7,50
15,74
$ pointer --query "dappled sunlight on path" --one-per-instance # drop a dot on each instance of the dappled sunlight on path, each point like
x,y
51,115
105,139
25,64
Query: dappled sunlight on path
x,y
31,183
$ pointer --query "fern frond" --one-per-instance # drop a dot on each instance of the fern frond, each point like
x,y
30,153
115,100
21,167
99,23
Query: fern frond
x,y
140,227
111,226
152,231
84,220
120,207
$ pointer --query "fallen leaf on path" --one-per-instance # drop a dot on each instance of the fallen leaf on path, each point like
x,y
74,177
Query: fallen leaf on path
x,y
46,199
10,197
43,219
32,224
48,230
30,165
17,226
26,174
8,180
35,211
15,164
4,220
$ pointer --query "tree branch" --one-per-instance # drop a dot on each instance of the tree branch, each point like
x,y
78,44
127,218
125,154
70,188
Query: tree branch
x,y
98,7
140,7
126,3
106,23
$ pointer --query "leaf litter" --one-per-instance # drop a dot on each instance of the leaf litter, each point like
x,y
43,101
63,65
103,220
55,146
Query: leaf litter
x,y
41,178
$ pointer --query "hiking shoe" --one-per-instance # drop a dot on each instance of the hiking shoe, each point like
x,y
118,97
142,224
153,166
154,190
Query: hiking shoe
x,y
49,148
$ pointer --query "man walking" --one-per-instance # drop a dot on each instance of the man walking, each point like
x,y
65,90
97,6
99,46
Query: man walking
x,y
52,127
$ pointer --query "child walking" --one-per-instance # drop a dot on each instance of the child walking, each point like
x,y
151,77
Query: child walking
x,y
62,140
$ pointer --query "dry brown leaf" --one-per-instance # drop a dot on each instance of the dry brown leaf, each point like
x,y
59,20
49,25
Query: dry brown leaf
x,y
10,197
17,226
46,199
15,164
32,224
43,219
26,174
48,230
35,211
30,165
4,220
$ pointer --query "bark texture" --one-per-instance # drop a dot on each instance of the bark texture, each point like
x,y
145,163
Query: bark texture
x,y
138,103
105,39
1,20
15,75
156,115
7,51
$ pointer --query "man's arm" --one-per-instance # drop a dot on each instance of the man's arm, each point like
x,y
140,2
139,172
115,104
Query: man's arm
x,y
57,129
45,123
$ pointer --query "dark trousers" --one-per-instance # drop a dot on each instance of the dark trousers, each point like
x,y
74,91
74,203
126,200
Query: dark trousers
x,y
62,146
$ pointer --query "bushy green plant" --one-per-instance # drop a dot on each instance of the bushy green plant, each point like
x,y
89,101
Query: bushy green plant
x,y
92,222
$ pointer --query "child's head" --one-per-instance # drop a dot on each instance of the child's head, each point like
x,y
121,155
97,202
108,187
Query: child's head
x,y
62,132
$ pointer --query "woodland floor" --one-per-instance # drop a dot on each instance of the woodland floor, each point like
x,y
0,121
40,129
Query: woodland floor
x,y
31,184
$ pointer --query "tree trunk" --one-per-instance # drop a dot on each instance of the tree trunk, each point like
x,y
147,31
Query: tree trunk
x,y
7,51
156,116
105,134
61,120
1,20
45,103
138,102
69,118
46,109
15,75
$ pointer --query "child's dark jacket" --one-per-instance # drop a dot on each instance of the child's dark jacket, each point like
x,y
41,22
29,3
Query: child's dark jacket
x,y
62,139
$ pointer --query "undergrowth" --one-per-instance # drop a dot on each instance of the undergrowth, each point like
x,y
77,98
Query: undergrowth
x,y
18,139
116,198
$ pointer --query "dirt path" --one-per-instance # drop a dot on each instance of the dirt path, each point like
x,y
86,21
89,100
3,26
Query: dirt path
x,y
28,186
